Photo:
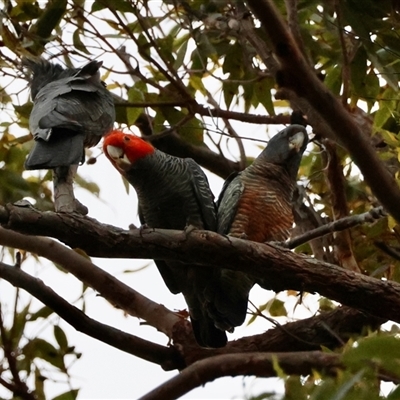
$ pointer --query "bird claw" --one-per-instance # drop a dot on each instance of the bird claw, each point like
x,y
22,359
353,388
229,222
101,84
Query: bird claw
x,y
142,228
80,208
71,207
189,228
132,227
23,203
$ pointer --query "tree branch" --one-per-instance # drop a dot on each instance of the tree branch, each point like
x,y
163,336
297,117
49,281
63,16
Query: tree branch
x,y
115,291
173,144
81,322
329,329
274,268
263,365
336,226
296,75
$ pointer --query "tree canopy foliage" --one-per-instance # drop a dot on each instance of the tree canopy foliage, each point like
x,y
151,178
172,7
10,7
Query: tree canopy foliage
x,y
198,78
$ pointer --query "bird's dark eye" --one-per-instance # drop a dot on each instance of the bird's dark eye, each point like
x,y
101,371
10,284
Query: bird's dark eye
x,y
127,138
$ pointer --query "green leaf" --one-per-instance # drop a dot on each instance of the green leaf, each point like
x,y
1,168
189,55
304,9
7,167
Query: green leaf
x,y
120,5
192,131
294,389
280,373
383,351
70,395
230,90
78,44
233,63
372,88
275,307
20,320
24,110
262,90
325,304
44,312
8,38
382,116
196,83
395,394
180,55
346,387
358,71
61,337
49,20
333,79
39,384
39,348
134,96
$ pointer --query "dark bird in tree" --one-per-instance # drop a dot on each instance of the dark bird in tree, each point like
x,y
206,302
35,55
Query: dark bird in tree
x,y
173,193
72,110
255,204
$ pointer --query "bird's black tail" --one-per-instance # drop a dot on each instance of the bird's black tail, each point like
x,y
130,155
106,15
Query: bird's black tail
x,y
206,334
227,298
60,151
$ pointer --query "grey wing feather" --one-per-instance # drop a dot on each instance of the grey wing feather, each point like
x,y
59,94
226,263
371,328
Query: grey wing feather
x,y
166,272
228,202
204,195
227,293
60,104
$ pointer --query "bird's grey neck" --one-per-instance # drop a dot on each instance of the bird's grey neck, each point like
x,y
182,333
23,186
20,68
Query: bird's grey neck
x,y
145,167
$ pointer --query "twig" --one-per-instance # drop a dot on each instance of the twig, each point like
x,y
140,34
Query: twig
x,y
232,133
335,226
345,56
293,23
388,250
19,388
204,111
343,248
176,146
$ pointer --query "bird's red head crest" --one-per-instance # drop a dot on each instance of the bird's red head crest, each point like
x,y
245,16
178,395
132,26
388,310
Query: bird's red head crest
x,y
123,150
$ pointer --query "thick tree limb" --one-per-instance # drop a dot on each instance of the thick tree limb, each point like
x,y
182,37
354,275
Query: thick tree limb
x,y
81,322
262,365
329,329
275,268
296,75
